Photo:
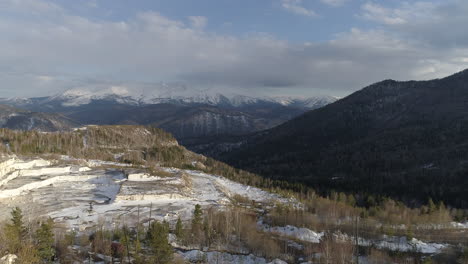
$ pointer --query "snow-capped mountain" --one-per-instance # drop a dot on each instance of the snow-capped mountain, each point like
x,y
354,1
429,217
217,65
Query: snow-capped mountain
x,y
183,111
173,94
303,102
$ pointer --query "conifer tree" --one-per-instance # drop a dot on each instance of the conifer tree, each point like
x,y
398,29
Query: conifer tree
x,y
15,231
207,231
197,217
197,226
125,241
159,244
432,206
45,241
179,229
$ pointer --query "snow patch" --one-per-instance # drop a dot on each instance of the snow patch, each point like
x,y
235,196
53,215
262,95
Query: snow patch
x,y
142,177
402,244
195,256
36,185
149,197
303,234
460,225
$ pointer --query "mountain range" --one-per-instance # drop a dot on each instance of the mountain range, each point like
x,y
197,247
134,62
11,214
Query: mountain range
x,y
186,113
407,140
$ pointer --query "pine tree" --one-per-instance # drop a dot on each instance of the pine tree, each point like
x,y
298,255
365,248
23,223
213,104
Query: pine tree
x,y
138,257
409,233
207,231
159,244
179,229
45,240
15,232
197,217
125,241
197,235
432,206
351,200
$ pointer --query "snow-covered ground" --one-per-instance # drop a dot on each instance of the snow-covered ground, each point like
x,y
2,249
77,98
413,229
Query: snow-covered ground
x,y
80,194
302,234
460,225
195,256
403,244
109,193
227,188
385,242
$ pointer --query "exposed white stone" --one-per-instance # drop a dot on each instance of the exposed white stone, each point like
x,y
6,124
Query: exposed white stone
x,y
8,259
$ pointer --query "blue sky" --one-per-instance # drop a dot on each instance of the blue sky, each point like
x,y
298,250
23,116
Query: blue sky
x,y
258,47
236,17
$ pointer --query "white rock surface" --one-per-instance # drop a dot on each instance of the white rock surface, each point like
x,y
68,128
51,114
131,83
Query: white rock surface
x,y
81,196
9,259
142,177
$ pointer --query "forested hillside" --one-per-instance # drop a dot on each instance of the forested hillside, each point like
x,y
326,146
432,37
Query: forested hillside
x,y
14,118
402,139
132,167
137,145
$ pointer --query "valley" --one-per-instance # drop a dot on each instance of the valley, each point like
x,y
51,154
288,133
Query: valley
x,y
233,132
101,181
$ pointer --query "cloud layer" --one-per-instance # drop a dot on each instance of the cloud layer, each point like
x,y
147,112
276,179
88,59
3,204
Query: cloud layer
x,y
45,48
296,7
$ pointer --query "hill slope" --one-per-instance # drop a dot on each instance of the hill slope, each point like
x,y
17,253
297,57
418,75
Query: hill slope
x,y
403,139
25,120
183,121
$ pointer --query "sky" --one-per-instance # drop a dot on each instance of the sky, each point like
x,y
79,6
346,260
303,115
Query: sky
x,y
253,47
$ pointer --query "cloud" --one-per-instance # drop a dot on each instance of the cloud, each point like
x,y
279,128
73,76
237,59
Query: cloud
x,y
432,23
334,3
57,50
31,9
92,4
198,22
383,15
405,13
296,7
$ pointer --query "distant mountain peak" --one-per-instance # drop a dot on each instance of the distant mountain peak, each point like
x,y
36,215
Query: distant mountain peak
x,y
178,94
115,90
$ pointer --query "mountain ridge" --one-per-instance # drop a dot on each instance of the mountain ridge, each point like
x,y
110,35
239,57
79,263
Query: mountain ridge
x,y
164,94
205,114
377,140
19,119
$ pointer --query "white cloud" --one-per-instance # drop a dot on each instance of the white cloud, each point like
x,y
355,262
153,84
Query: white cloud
x,y
31,7
334,3
383,15
296,7
58,50
432,23
92,4
406,12
198,22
